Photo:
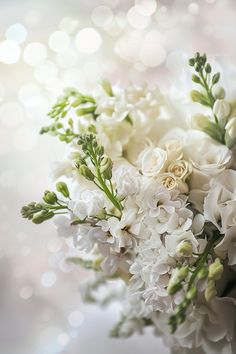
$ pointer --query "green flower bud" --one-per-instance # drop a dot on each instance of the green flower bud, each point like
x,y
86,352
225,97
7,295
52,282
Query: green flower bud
x,y
191,61
215,78
42,216
215,270
63,189
184,249
182,273
192,293
85,110
203,273
106,167
196,79
208,68
210,291
86,172
197,96
173,287
106,85
50,197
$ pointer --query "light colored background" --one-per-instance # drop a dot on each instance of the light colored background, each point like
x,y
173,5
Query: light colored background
x,y
40,306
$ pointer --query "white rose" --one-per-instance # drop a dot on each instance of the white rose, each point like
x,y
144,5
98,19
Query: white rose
x,y
170,181
206,154
221,109
152,161
181,169
220,203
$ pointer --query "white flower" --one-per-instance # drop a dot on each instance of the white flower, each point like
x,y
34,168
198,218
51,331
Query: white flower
x,y
91,203
221,109
181,169
87,237
227,247
170,181
64,227
206,154
152,161
208,329
220,203
126,178
121,233
173,240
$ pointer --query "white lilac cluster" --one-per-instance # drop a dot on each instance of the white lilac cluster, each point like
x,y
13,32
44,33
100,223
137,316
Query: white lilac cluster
x,y
151,203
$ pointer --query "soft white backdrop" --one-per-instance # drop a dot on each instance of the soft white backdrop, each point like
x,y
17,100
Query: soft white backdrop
x,y
46,45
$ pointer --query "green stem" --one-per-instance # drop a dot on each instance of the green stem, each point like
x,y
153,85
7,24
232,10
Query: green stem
x,y
202,259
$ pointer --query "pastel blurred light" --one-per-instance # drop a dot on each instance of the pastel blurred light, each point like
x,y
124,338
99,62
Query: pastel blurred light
x,y
146,7
9,52
16,32
35,53
101,15
59,41
48,279
88,40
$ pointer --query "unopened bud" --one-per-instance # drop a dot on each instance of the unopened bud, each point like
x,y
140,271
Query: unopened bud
x,y
106,167
210,291
231,128
106,85
86,172
218,92
199,121
173,287
182,273
42,216
215,270
221,109
50,197
63,189
184,249
203,273
192,293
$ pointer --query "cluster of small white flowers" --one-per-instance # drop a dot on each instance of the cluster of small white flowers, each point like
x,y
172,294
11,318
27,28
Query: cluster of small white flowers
x,y
146,200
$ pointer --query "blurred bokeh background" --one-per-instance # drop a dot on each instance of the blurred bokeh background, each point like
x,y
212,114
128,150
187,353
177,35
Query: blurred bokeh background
x,y
46,45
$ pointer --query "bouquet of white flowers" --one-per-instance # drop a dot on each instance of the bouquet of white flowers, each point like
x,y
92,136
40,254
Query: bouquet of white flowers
x,y
151,203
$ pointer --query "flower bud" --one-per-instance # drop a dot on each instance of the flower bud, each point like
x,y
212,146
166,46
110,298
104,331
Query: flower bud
x,y
182,273
221,109
50,197
192,293
42,216
106,167
203,273
218,92
199,121
86,172
63,189
184,249
231,128
173,287
215,270
210,291
106,85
